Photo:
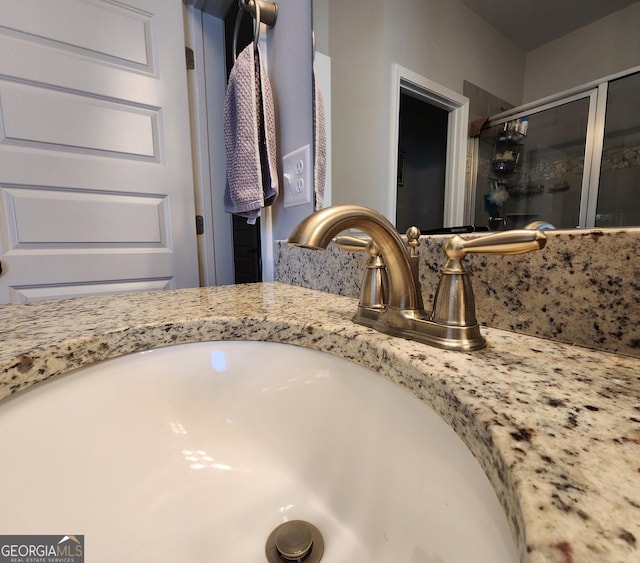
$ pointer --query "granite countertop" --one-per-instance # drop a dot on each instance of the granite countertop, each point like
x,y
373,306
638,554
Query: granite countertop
x,y
555,427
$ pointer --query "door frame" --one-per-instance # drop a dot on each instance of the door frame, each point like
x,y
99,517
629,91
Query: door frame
x,y
204,33
456,202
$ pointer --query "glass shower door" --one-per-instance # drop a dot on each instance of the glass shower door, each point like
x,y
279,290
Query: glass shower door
x,y
619,185
531,166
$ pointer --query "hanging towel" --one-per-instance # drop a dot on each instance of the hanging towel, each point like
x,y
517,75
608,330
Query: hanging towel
x,y
319,146
250,138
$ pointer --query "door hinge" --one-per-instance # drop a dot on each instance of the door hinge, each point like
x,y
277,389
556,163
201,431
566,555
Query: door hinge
x,y
199,225
191,59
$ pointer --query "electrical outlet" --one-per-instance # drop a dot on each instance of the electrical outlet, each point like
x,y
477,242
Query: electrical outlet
x,y
296,172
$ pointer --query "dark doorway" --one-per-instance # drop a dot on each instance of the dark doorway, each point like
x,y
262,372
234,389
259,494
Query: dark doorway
x,y
422,162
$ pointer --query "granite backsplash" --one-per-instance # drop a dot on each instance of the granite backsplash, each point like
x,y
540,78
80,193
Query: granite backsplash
x,y
583,288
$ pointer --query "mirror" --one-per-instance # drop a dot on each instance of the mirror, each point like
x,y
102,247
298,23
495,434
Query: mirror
x,y
450,44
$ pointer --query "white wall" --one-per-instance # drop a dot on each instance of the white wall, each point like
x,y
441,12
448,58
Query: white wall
x,y
448,43
603,48
439,39
359,99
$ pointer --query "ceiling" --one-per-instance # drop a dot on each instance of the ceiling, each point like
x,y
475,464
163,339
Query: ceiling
x,y
531,23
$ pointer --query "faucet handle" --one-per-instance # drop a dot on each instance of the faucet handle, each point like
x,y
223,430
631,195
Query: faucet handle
x,y
516,241
454,304
351,244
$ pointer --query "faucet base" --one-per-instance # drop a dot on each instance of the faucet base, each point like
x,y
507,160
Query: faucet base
x,y
416,325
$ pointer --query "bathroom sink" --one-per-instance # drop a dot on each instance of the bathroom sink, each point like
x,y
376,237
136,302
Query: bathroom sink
x,y
197,452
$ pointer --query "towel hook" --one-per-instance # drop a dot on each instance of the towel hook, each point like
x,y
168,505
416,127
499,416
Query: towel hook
x,y
268,13
262,12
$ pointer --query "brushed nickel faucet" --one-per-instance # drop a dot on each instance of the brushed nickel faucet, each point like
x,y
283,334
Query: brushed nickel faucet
x,y
452,324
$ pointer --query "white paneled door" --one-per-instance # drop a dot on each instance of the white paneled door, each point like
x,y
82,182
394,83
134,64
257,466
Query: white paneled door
x,y
96,181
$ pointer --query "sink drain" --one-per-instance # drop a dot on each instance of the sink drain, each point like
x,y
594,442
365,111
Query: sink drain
x,y
296,540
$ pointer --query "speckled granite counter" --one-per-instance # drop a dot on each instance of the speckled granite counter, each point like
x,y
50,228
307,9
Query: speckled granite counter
x,y
582,288
555,427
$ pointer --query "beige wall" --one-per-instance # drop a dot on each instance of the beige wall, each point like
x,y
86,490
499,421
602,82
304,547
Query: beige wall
x,y
603,48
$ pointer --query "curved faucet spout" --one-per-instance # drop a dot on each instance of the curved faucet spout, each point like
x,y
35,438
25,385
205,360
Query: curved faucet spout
x,y
318,229
452,325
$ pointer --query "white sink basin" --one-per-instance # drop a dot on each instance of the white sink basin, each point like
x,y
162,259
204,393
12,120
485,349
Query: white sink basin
x,y
196,452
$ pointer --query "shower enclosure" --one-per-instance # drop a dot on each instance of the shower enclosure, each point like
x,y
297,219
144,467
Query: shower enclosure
x,y
571,161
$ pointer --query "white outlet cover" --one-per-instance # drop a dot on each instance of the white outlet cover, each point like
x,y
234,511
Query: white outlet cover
x,y
297,179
